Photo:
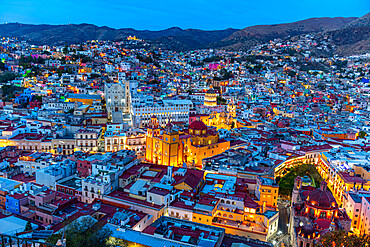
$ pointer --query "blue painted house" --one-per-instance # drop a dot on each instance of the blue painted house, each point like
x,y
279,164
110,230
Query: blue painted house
x,y
14,202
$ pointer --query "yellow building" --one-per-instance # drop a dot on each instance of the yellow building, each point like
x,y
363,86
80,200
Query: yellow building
x,y
267,192
174,147
87,99
341,181
163,149
223,120
210,98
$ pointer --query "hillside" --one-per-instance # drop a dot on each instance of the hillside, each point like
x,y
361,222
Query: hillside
x,y
360,22
349,35
56,34
246,38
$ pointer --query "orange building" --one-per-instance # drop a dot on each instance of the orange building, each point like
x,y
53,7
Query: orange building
x,y
174,147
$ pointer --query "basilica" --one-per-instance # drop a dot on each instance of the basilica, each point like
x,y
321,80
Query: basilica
x,y
173,147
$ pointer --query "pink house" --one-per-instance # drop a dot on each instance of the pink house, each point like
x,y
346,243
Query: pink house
x,y
214,66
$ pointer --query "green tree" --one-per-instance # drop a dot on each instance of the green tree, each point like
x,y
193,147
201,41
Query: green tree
x,y
343,239
85,232
220,100
362,134
7,77
291,73
2,66
38,98
65,50
28,226
70,111
286,183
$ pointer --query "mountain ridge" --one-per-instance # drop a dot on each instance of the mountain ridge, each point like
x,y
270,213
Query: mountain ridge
x,y
177,38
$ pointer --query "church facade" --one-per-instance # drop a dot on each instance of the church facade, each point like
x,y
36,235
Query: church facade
x,y
170,146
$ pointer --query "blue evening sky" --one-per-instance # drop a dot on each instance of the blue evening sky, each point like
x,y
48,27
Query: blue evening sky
x,y
161,14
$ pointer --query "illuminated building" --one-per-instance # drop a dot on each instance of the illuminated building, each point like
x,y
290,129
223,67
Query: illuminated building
x,y
170,146
344,171
117,138
87,139
223,204
267,192
117,96
356,202
314,212
165,110
210,98
31,142
83,98
223,120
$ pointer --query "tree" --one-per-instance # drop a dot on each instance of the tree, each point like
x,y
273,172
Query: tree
x,y
65,50
286,183
38,98
28,226
220,100
291,73
344,239
7,77
362,134
321,86
84,232
2,66
112,241
70,111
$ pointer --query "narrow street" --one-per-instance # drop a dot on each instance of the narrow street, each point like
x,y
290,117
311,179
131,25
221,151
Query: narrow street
x,y
282,236
283,219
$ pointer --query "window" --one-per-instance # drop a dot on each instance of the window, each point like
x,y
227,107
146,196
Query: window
x,y
322,214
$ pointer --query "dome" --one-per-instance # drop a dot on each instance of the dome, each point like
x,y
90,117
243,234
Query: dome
x,y
307,230
211,91
198,125
322,198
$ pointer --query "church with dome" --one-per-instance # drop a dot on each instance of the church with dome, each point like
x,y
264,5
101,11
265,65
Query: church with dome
x,y
223,119
314,212
174,147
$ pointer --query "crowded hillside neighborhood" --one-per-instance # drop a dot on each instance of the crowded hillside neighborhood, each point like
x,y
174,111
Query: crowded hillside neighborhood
x,y
136,145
